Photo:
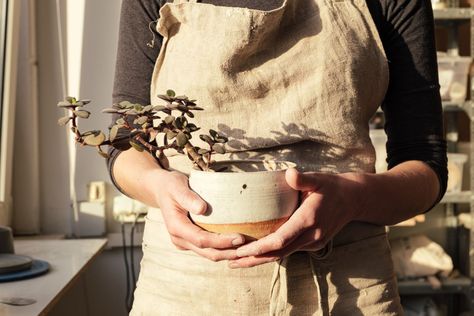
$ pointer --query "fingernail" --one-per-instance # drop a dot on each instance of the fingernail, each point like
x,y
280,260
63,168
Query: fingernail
x,y
238,241
233,264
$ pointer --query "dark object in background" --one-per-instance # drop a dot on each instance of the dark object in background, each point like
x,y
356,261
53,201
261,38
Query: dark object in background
x,y
15,267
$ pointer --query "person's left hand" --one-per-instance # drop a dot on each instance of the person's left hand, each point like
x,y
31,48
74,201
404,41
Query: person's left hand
x,y
329,202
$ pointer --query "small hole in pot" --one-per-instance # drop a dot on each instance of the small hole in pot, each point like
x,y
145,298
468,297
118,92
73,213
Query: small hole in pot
x,y
244,186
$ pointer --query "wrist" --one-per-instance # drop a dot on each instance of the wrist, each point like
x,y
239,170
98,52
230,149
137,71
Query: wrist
x,y
359,193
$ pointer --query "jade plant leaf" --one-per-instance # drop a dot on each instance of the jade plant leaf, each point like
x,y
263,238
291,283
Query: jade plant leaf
x,y
82,113
110,110
206,138
113,132
170,135
65,104
169,119
181,139
141,120
170,93
64,120
136,146
94,139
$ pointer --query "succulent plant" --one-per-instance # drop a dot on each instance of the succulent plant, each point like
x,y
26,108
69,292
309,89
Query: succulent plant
x,y
141,126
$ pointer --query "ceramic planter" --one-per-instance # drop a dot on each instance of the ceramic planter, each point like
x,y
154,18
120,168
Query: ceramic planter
x,y
250,197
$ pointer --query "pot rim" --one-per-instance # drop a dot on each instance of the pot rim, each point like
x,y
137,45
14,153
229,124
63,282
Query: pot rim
x,y
290,164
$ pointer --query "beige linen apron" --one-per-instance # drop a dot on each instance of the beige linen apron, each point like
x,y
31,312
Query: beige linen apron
x,y
298,82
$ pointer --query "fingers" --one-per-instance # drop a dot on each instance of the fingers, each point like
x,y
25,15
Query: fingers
x,y
188,199
180,226
309,240
208,253
307,181
302,219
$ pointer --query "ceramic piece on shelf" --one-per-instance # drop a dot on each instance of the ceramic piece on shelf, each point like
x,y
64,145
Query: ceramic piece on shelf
x,y
6,240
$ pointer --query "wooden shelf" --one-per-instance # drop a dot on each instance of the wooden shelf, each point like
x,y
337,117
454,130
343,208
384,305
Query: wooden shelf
x,y
450,14
457,197
460,285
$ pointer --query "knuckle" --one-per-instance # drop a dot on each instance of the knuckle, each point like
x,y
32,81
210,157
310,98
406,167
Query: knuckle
x,y
176,243
213,256
279,242
309,221
173,229
200,241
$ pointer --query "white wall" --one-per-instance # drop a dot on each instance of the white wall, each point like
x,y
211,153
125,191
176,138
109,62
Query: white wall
x,y
97,70
101,290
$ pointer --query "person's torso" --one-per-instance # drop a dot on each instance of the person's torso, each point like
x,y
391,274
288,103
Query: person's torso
x,y
292,80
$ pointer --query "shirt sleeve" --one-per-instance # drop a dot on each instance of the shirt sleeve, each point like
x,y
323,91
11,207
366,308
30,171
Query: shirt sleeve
x,y
138,48
412,106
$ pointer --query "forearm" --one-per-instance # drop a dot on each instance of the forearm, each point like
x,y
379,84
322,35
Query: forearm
x,y
404,191
132,171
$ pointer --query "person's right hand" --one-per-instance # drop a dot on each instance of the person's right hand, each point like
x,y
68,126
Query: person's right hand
x,y
176,199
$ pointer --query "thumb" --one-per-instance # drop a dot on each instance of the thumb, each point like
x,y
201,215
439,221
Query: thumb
x,y
307,181
190,201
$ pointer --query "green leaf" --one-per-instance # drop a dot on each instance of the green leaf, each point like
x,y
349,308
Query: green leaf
x,y
141,120
152,137
221,139
64,120
190,114
126,104
170,134
195,108
173,106
148,108
103,154
180,122
113,132
110,110
71,100
170,93
218,148
85,101
203,151
65,104
136,146
213,133
164,97
159,108
192,127
207,139
94,139
82,113
169,119
120,121
181,139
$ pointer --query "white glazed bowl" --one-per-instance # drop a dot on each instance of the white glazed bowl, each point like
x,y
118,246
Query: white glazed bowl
x,y
252,198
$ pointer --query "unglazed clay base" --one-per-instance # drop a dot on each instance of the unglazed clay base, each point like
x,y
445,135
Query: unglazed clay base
x,y
250,230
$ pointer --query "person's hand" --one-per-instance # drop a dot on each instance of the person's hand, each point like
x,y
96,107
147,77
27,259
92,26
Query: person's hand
x,y
175,199
329,202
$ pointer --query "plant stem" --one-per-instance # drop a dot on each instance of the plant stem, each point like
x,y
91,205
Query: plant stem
x,y
196,157
151,149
